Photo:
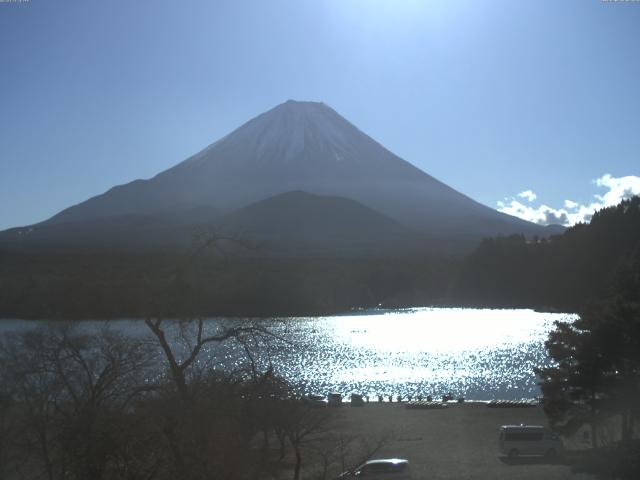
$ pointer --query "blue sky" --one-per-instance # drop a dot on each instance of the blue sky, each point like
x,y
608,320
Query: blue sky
x,y
494,98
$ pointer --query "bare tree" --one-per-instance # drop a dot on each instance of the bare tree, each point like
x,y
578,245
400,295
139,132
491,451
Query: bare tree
x,y
303,426
339,452
73,391
217,334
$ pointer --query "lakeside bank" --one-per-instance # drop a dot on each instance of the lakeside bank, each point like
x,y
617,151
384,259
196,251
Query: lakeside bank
x,y
459,442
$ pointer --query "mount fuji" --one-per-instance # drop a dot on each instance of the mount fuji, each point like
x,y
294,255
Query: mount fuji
x,y
295,147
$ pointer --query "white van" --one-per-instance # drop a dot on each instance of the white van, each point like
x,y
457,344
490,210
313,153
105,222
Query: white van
x,y
517,440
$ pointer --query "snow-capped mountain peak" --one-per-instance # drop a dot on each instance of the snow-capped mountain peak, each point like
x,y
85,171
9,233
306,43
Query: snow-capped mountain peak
x,y
305,146
284,133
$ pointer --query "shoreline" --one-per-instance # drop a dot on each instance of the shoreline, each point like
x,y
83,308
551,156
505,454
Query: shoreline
x,y
354,311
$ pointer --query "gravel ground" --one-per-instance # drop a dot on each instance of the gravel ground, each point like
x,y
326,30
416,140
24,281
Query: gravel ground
x,y
460,442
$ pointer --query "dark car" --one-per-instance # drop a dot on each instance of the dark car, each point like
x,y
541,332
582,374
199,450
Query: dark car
x,y
381,469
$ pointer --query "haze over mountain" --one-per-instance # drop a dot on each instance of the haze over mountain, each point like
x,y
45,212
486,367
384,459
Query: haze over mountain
x,y
296,146
295,223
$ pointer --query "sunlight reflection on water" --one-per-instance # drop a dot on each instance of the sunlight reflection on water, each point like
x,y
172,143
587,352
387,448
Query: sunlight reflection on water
x,y
478,354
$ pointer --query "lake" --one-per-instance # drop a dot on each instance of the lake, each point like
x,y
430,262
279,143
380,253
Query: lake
x,y
480,354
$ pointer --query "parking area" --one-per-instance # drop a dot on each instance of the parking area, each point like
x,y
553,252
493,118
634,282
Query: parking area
x,y
459,442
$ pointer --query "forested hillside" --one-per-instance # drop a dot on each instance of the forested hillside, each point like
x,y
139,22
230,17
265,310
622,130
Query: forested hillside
x,y
110,285
562,272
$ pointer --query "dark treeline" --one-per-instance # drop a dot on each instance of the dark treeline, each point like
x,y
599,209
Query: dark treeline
x,y
109,285
560,273
563,272
595,379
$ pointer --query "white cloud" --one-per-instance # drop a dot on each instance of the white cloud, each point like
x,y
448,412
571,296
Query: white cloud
x,y
543,214
528,194
620,188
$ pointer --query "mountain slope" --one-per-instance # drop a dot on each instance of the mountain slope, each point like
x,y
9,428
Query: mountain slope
x,y
290,224
125,232
299,223
303,146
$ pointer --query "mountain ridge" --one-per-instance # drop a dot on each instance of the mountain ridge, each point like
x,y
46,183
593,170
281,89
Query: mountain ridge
x,y
299,223
293,223
304,146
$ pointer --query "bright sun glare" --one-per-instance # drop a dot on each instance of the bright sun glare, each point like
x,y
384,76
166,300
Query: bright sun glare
x,y
431,329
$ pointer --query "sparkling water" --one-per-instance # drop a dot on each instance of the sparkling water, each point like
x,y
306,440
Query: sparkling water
x,y
479,354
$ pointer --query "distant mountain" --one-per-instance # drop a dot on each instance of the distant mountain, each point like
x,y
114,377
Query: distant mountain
x,y
296,146
130,232
291,224
296,223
